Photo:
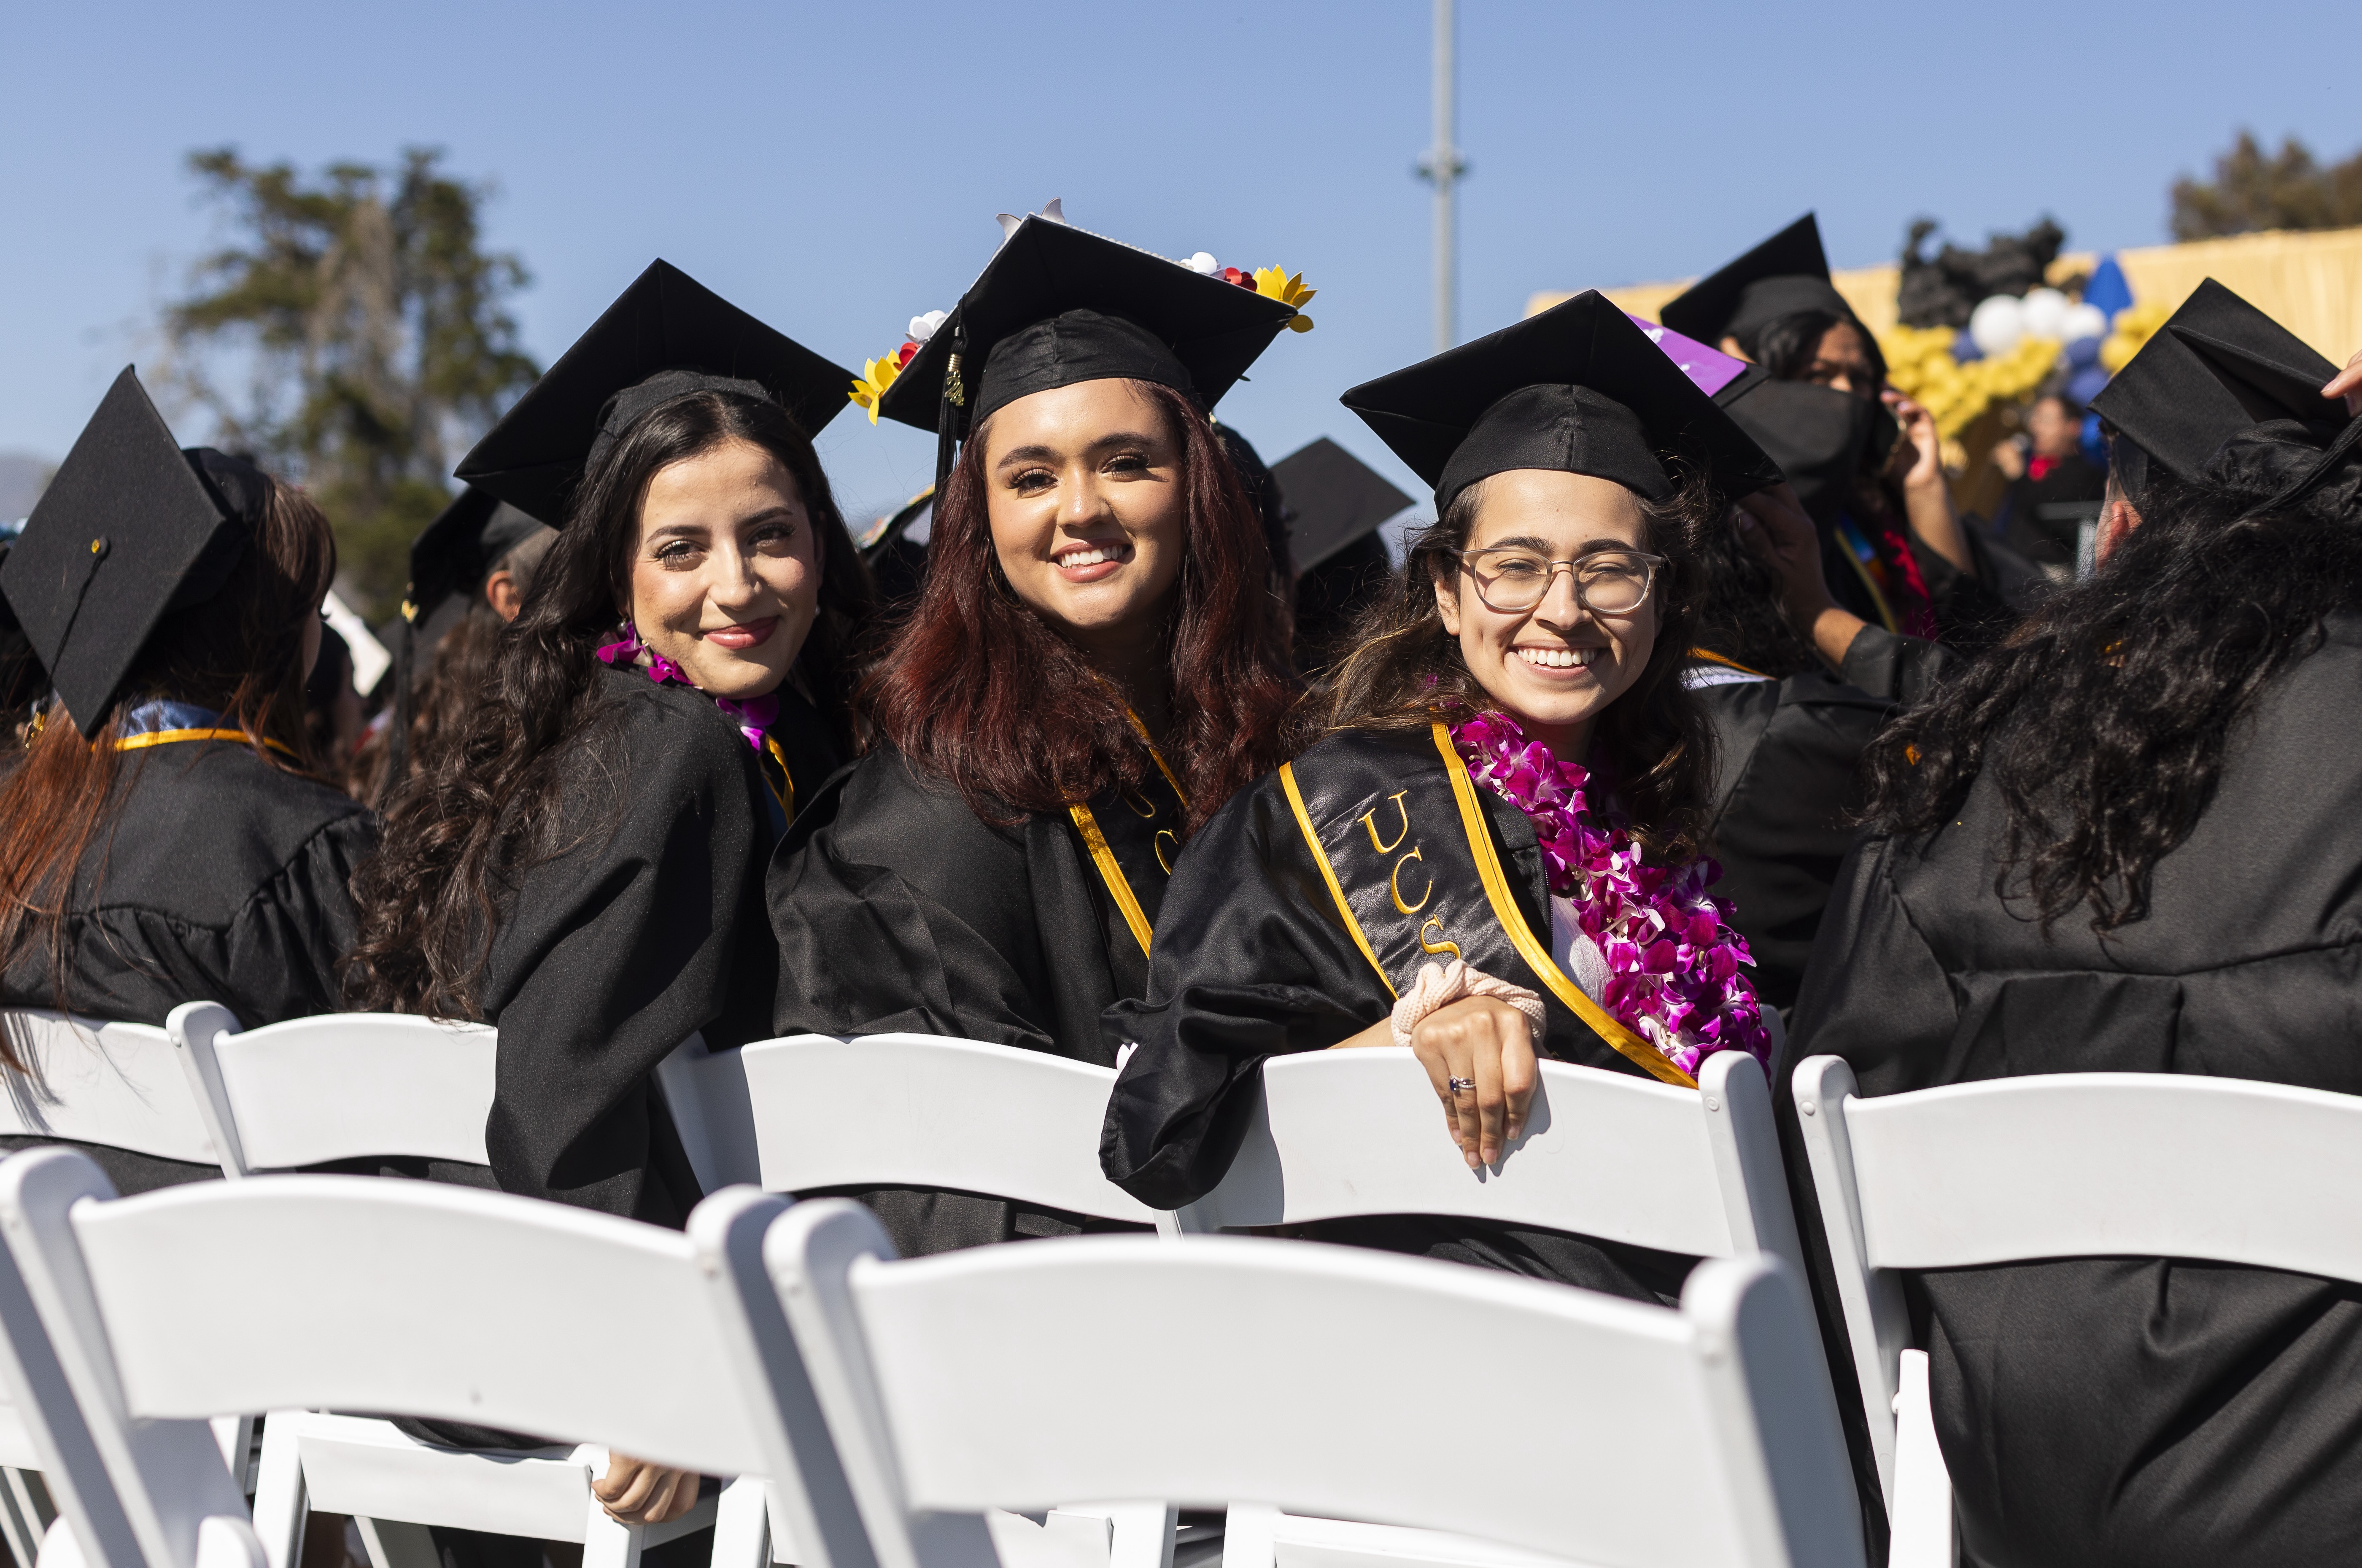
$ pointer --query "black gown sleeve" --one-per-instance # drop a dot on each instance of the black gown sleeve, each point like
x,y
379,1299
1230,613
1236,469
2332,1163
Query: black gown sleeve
x,y
897,909
1899,669
1249,962
648,928
279,956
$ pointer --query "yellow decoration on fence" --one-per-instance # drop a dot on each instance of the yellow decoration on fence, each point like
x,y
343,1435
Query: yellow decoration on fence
x,y
2134,323
1272,282
1919,363
876,375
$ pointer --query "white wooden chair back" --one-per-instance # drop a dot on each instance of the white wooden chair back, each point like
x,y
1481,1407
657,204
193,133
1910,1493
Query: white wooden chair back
x,y
120,1085
2066,1164
1606,1155
151,1305
1318,1378
338,1086
811,1111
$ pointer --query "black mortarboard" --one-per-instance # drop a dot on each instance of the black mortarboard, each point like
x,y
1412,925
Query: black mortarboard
x,y
1334,499
1057,305
667,335
132,527
2217,367
1578,388
1784,275
453,553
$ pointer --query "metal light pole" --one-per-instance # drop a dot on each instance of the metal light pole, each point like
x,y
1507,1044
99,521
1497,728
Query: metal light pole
x,y
1441,167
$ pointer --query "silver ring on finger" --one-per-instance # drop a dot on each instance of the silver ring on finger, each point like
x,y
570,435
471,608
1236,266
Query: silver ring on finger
x,y
1460,1086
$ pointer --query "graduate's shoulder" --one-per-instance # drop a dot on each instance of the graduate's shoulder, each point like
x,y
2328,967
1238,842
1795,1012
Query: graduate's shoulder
x,y
201,825
659,735
885,808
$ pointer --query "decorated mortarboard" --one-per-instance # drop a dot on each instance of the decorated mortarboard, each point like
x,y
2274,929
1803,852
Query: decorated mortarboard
x,y
1334,500
131,528
665,336
455,552
1057,305
1579,389
1786,274
2216,367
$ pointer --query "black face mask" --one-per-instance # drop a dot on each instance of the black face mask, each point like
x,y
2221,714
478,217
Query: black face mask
x,y
1821,437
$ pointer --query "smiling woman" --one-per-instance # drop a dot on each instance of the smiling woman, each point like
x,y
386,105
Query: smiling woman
x,y
1093,666
1492,852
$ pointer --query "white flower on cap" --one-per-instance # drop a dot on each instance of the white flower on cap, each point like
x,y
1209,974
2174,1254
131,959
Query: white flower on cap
x,y
923,326
1203,262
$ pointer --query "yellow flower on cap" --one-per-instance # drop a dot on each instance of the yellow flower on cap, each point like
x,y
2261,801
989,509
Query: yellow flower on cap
x,y
1273,282
876,375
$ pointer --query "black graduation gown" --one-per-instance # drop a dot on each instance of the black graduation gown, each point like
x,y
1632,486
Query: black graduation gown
x,y
1256,956
898,908
223,878
650,928
1788,763
2105,1411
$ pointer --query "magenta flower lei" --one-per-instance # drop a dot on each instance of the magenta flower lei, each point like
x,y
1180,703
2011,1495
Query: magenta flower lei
x,y
1673,962
752,716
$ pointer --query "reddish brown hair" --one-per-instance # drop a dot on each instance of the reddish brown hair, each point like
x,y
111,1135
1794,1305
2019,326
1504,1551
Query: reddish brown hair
x,y
239,653
978,689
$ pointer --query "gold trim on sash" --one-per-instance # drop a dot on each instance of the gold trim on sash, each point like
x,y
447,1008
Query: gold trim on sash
x,y
1142,730
1710,657
1329,875
787,801
1110,873
167,737
1505,910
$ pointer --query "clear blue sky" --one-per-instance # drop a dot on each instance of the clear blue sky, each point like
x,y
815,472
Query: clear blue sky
x,y
835,168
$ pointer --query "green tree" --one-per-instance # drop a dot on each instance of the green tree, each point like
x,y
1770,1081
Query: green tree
x,y
370,332
2255,189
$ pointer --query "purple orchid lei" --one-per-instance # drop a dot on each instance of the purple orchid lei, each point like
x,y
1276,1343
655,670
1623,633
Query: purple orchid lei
x,y
1673,962
753,716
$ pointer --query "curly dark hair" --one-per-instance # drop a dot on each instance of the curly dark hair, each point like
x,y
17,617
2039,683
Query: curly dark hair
x,y
977,688
1655,740
480,809
1738,598
2104,717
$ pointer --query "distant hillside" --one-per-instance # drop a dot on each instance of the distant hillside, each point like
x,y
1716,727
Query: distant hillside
x,y
21,478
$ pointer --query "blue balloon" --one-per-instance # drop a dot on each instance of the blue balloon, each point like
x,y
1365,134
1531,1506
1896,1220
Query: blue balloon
x,y
1965,350
2083,353
2086,383
2095,446
2107,288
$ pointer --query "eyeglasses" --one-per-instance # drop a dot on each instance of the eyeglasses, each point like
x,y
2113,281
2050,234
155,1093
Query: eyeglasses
x,y
1607,582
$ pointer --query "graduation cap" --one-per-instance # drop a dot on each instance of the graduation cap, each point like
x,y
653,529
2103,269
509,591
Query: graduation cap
x,y
453,554
132,528
1057,305
1578,388
1334,500
665,336
1786,274
2217,367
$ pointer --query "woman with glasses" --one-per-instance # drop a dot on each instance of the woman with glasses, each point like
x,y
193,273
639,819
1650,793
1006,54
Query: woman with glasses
x,y
1491,851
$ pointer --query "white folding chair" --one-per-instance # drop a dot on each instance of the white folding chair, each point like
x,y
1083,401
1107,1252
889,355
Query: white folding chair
x,y
120,1085
2056,1165
1343,1133
346,1086
936,1112
1320,1378
130,1320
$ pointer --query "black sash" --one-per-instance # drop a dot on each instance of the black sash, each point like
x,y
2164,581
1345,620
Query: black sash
x,y
1411,864
1133,839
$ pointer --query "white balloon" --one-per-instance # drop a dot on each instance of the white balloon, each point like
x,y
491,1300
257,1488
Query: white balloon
x,y
1997,323
2044,312
2084,321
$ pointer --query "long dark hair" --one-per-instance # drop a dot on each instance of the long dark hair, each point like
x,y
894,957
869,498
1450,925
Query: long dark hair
x,y
979,690
239,653
1738,598
2103,718
481,809
1786,346
1655,740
